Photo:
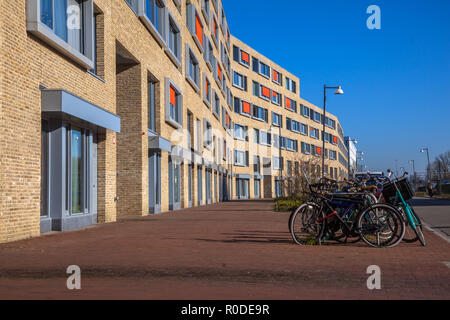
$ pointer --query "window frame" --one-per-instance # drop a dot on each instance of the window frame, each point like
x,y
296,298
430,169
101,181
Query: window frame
x,y
191,57
174,56
84,56
179,101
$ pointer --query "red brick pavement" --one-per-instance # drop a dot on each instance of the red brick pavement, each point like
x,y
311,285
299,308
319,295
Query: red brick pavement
x,y
236,250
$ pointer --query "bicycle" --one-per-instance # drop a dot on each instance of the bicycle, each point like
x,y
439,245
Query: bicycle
x,y
396,193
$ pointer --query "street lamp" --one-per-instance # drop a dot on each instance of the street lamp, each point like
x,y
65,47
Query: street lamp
x,y
428,157
338,91
414,171
280,163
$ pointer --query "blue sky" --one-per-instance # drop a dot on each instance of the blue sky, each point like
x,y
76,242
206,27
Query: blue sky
x,y
396,80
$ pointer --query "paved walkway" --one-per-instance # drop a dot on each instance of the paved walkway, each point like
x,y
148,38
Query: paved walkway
x,y
435,213
236,250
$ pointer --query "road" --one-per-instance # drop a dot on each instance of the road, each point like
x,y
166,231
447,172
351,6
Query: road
x,y
234,250
435,213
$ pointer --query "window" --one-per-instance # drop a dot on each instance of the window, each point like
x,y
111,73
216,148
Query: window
x,y
291,145
190,128
240,132
239,81
207,134
246,108
218,75
265,138
276,77
192,69
216,104
316,116
256,136
207,91
264,92
291,105
198,132
229,98
260,113
195,25
305,111
152,106
303,129
306,148
215,30
255,64
174,105
241,158
208,54
277,163
226,120
276,119
292,125
48,20
241,56
276,98
317,151
256,165
291,85
330,123
155,19
174,41
333,155
264,69
314,133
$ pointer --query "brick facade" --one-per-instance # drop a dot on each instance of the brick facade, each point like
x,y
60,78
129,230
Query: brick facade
x,y
127,57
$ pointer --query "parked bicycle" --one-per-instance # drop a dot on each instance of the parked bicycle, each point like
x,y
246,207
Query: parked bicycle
x,y
345,217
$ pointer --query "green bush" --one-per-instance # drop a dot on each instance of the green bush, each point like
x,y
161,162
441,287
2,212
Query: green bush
x,y
288,204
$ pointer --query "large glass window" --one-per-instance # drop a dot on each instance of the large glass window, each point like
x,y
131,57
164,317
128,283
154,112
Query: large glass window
x,y
154,10
152,106
76,170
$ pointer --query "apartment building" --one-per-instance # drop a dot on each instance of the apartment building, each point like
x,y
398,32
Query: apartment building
x,y
115,108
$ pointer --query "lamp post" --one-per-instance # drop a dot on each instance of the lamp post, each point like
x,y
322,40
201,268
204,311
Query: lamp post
x,y
428,157
414,171
280,163
338,91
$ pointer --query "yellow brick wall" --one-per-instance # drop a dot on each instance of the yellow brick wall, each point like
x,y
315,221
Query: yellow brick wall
x,y
27,62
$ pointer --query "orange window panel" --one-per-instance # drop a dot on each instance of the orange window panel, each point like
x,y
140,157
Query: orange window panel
x,y
199,29
219,71
245,107
288,103
266,92
173,96
319,150
215,27
335,139
275,75
245,57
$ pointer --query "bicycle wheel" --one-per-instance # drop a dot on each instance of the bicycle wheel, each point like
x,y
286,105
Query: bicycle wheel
x,y
418,229
381,226
303,224
410,234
